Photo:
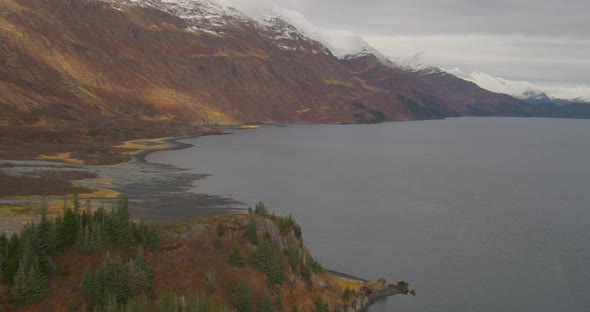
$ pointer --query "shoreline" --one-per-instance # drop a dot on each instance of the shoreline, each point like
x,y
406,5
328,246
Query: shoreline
x,y
152,187
213,205
173,145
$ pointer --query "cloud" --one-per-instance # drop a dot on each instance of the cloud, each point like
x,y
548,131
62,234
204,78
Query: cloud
x,y
340,42
253,8
429,17
544,60
543,41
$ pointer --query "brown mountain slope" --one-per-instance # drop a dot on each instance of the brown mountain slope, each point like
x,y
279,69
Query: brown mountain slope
x,y
126,70
68,61
432,93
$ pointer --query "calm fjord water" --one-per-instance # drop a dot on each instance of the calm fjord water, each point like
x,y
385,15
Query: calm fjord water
x,y
478,214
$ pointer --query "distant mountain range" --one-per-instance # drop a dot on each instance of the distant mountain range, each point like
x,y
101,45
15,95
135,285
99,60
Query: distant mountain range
x,y
527,91
171,63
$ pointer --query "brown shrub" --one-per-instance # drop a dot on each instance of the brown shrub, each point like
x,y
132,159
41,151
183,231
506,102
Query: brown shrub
x,y
24,186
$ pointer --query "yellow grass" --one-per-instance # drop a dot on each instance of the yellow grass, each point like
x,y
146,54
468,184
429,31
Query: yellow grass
x,y
145,144
352,284
106,181
96,193
336,82
65,157
250,127
365,85
10,210
157,117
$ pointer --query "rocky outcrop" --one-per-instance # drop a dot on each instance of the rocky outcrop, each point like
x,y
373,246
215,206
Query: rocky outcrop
x,y
267,227
304,279
373,292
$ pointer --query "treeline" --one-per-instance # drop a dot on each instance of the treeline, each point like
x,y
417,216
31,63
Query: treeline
x,y
27,259
115,281
124,280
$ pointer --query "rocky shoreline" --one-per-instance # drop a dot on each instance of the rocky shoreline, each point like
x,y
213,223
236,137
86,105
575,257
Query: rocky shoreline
x,y
158,194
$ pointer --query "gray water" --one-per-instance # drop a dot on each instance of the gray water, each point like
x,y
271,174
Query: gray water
x,y
478,214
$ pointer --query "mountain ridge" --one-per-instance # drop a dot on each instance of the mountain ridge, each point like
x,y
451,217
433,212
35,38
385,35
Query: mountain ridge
x,y
123,68
525,90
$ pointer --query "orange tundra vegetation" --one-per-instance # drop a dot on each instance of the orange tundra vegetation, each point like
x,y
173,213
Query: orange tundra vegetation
x,y
206,258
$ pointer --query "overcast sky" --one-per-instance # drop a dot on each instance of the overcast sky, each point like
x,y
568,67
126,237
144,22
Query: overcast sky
x,y
542,41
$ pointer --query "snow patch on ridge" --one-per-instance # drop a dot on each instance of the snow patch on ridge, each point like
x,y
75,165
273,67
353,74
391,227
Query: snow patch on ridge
x,y
202,15
342,43
211,15
523,89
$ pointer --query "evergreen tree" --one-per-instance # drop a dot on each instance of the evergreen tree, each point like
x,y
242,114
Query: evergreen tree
x,y
279,302
114,282
76,202
30,283
143,270
11,260
68,233
347,293
45,233
260,209
241,297
122,229
87,285
266,305
26,259
236,258
20,287
148,236
220,229
251,232
320,305
268,258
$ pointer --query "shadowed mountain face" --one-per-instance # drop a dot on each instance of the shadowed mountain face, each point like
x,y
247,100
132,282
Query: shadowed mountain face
x,y
95,64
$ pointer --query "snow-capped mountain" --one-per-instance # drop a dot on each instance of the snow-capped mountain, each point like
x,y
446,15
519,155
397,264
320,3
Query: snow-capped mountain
x,y
204,62
525,90
343,44
288,37
284,26
208,16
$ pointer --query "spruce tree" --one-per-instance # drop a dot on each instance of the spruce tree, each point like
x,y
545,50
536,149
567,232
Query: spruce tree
x,y
10,263
266,304
143,268
121,225
236,258
39,282
20,287
76,201
68,232
320,305
251,232
241,297
220,229
30,282
261,209
268,258
87,286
